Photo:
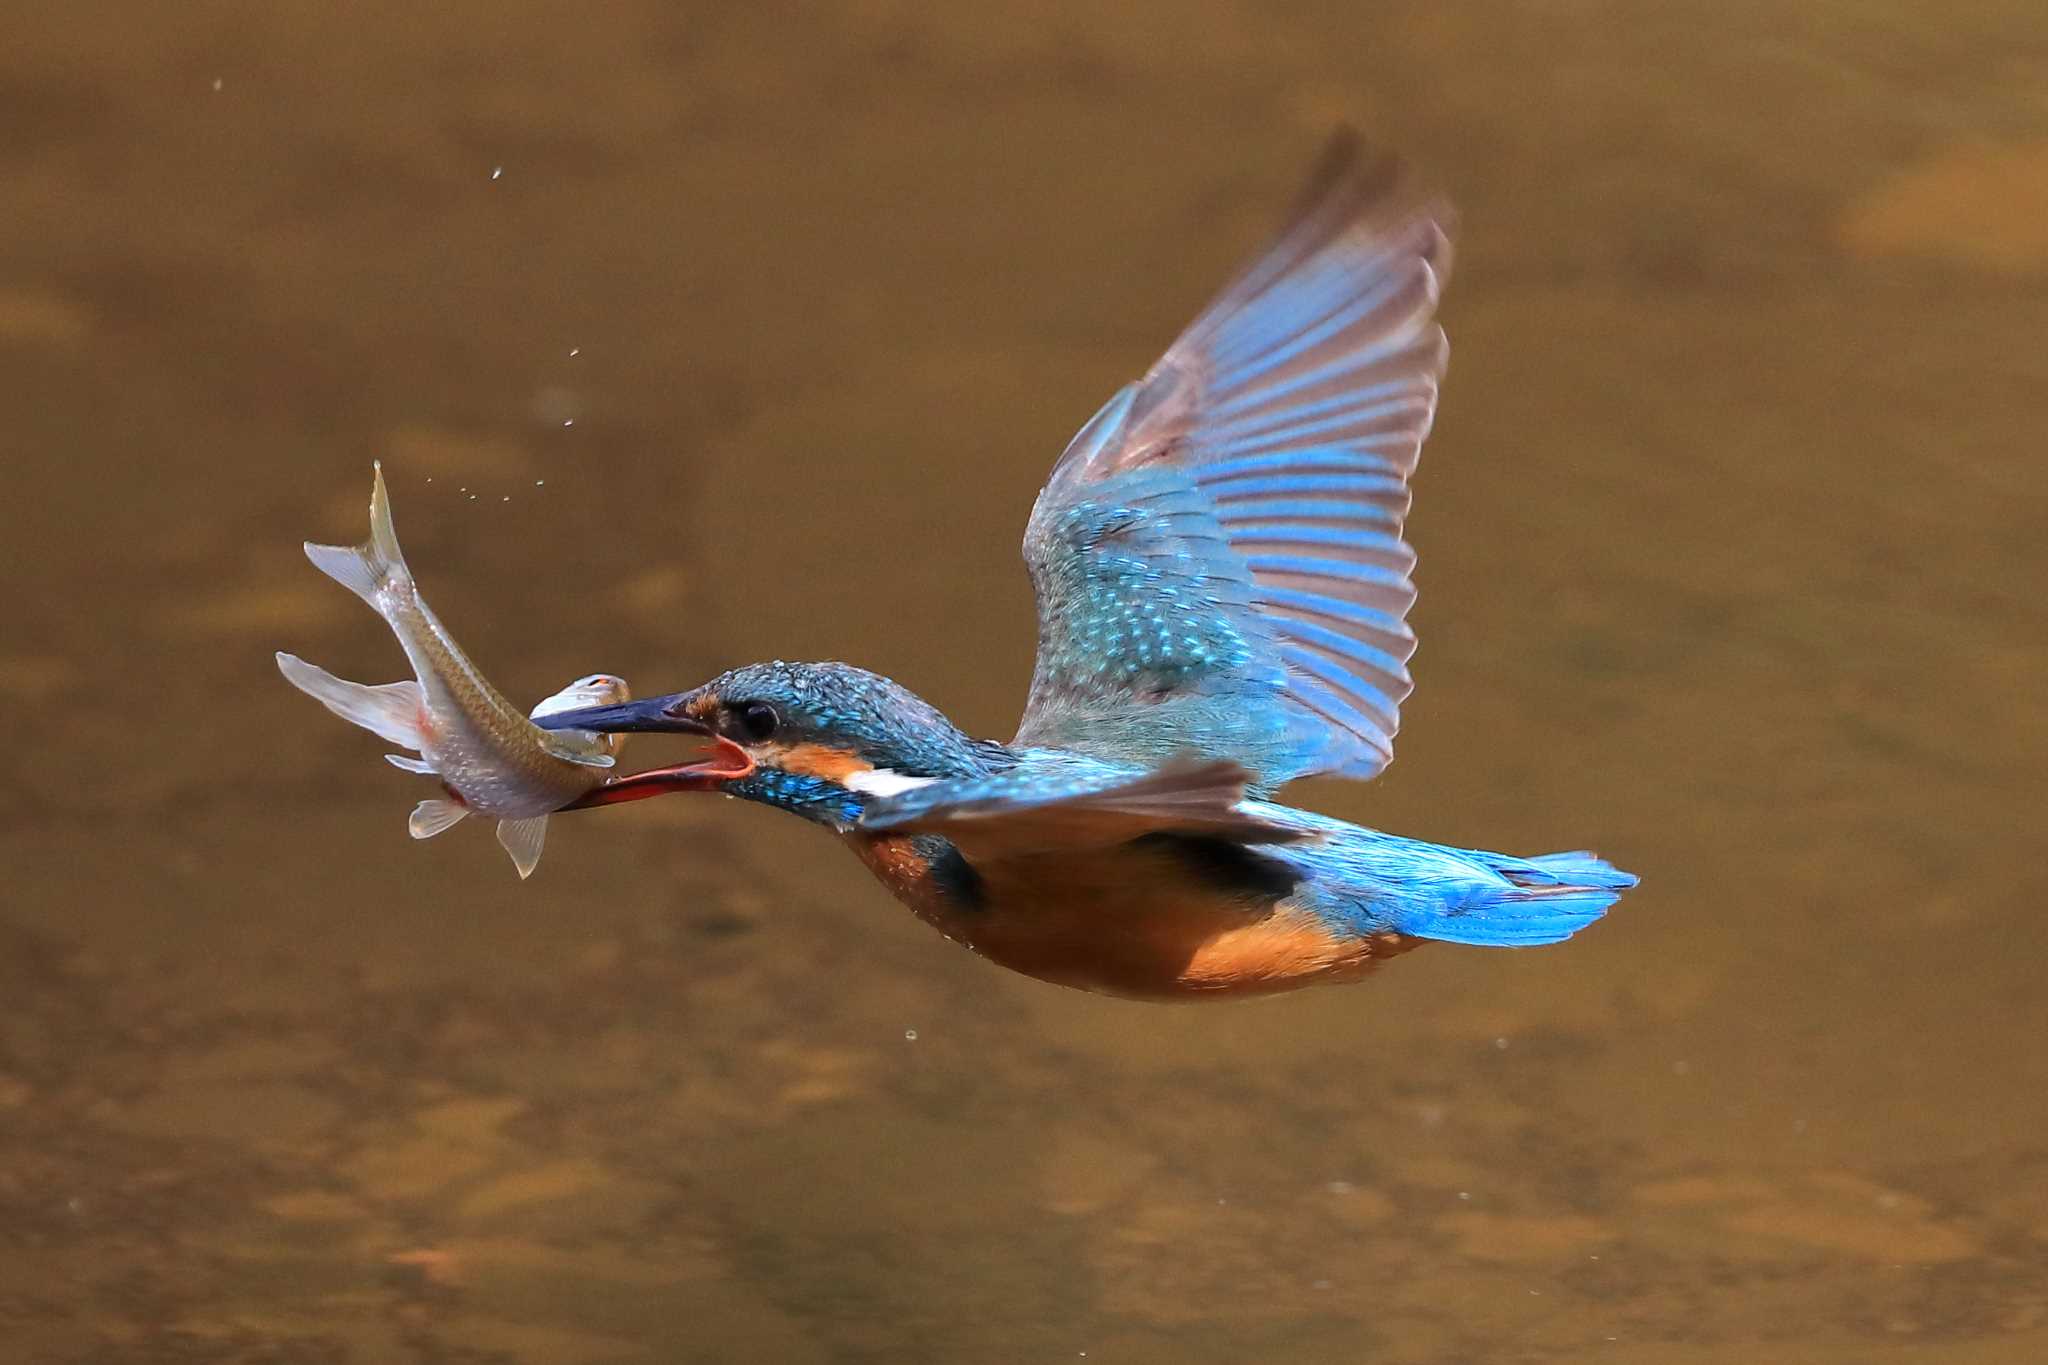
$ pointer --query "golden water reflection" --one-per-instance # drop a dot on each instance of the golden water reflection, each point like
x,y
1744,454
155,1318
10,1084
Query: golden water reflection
x,y
759,345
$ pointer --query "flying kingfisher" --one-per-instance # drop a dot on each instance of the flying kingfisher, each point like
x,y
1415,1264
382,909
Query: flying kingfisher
x,y
1222,591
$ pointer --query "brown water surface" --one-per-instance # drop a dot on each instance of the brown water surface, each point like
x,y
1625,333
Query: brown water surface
x,y
693,334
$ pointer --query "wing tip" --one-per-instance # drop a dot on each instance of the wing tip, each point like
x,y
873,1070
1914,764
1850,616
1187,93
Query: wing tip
x,y
1358,183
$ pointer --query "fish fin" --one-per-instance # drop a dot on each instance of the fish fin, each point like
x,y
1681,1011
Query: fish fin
x,y
522,839
391,711
368,568
411,764
432,816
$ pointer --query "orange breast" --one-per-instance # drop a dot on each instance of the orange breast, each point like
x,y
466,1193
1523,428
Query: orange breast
x,y
1127,922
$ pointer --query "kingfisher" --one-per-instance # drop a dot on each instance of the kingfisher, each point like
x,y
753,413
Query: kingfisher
x,y
1222,588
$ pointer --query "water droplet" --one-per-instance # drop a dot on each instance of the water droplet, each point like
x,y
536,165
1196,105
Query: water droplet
x,y
1465,1195
568,421
216,82
497,171
1500,1044
575,351
540,483
910,1035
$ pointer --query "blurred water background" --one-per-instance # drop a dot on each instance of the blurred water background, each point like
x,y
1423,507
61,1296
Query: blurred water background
x,y
693,334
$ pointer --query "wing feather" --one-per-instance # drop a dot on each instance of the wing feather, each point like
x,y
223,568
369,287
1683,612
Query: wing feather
x,y
1218,555
1038,811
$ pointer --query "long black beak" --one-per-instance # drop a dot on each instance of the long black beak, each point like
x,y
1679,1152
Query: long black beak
x,y
662,714
728,762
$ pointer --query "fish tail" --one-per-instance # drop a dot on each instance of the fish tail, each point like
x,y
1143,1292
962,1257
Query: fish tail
x,y
1536,901
369,569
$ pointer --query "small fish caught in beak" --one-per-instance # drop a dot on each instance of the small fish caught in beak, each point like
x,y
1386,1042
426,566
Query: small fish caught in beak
x,y
490,759
654,715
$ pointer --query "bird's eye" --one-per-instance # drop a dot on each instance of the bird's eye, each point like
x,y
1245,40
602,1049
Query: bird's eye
x,y
757,719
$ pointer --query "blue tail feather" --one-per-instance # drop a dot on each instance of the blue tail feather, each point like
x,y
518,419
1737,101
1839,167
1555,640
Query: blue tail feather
x,y
1537,901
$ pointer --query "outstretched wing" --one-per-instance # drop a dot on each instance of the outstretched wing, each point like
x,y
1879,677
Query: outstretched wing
x,y
1217,557
1080,806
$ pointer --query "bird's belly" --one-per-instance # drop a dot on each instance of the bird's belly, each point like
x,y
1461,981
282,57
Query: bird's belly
x,y
1125,923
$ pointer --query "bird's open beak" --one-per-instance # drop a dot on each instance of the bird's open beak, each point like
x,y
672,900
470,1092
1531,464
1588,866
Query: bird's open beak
x,y
666,714
728,762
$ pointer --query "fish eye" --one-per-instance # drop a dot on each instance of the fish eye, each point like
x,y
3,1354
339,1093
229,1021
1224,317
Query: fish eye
x,y
757,719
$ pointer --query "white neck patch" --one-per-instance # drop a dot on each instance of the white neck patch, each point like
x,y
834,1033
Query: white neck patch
x,y
883,782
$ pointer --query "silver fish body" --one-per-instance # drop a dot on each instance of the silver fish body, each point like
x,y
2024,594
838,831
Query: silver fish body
x,y
492,759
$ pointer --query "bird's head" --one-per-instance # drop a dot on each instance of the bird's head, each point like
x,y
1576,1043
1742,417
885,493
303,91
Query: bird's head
x,y
817,739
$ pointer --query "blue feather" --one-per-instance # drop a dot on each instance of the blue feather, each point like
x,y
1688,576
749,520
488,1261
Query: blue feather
x,y
1362,882
1512,921
1341,645
1340,370
1243,517
1338,570
1369,622
1326,459
1336,693
1256,476
1304,421
1349,540
1296,318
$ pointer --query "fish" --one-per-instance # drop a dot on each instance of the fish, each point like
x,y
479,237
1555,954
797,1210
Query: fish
x,y
491,760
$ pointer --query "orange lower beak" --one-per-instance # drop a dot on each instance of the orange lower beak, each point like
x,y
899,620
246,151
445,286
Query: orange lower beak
x,y
728,763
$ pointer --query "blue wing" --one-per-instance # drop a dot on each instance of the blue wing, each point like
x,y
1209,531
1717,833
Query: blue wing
x,y
1065,803
1218,557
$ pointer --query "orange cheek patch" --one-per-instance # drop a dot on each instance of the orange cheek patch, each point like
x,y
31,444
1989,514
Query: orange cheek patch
x,y
817,760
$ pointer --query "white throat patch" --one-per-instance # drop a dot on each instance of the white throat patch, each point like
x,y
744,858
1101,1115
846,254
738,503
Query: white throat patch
x,y
883,782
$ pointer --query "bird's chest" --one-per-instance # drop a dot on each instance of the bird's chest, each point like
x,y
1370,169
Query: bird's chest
x,y
1124,920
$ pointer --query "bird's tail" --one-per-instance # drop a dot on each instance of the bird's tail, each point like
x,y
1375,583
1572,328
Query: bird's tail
x,y
1532,901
